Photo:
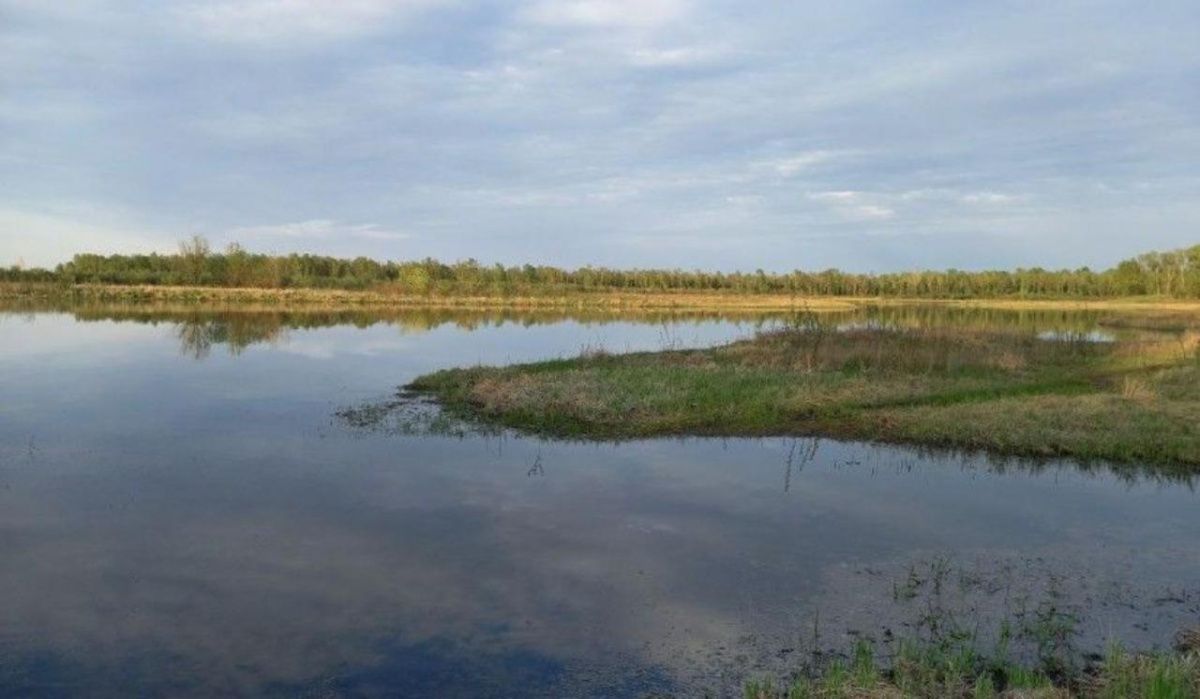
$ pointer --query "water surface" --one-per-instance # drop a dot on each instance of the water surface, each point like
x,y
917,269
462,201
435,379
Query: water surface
x,y
182,513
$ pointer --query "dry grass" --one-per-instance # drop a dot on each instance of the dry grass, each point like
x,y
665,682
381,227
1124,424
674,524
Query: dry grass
x,y
905,350
1185,309
1136,389
1188,640
602,299
1133,305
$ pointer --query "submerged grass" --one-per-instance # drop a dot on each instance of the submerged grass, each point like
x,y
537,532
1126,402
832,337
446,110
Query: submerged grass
x,y
953,648
937,670
1011,392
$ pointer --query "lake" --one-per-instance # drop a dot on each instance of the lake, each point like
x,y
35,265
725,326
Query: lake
x,y
184,512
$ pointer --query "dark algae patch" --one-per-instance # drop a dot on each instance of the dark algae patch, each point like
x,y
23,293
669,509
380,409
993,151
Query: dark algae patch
x,y
1012,392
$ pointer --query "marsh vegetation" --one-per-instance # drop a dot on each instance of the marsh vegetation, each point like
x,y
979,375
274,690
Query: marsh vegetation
x,y
956,668
951,646
653,567
1007,391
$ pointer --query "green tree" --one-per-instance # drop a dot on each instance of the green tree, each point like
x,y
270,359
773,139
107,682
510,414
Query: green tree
x,y
193,253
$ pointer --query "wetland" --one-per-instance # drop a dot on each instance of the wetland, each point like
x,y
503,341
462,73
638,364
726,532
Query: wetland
x,y
203,500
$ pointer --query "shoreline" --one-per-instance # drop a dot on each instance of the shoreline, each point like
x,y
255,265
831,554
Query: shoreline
x,y
614,300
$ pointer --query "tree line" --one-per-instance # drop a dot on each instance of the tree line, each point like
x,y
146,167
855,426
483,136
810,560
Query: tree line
x,y
1166,274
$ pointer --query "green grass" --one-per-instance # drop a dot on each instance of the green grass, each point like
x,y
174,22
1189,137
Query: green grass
x,y
951,651
935,670
1008,392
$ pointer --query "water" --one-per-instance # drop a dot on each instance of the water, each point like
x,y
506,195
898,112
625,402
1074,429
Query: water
x,y
182,513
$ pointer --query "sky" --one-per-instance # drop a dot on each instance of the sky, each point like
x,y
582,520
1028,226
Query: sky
x,y
870,136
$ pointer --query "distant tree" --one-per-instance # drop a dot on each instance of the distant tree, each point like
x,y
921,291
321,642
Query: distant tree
x,y
238,266
193,254
416,279
1173,273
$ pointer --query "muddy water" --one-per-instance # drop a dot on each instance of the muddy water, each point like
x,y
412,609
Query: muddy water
x,y
183,513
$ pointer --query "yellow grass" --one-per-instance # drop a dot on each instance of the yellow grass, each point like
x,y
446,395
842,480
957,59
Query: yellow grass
x,y
1132,304
598,299
332,297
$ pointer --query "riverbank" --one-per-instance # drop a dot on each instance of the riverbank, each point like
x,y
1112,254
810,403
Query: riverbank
x,y
198,295
1007,392
638,300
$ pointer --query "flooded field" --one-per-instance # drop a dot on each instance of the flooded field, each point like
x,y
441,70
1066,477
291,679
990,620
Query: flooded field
x,y
184,511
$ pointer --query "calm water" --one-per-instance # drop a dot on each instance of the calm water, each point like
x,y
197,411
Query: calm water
x,y
182,513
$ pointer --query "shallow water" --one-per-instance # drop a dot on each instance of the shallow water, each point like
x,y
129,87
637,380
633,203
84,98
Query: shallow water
x,y
182,513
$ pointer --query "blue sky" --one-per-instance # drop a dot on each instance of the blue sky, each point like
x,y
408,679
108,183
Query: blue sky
x,y
870,136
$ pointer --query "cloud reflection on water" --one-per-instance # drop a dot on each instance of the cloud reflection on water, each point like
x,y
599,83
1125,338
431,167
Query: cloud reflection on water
x,y
188,527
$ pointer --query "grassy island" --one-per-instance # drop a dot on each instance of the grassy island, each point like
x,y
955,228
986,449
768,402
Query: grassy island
x,y
1010,392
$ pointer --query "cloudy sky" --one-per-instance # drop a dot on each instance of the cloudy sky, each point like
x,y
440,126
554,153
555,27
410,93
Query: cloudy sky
x,y
683,133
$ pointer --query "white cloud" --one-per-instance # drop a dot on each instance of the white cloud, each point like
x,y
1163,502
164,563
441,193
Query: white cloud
x,y
945,195
673,57
607,13
836,196
787,167
269,20
988,198
855,206
927,194
318,229
531,198
869,212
